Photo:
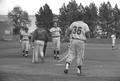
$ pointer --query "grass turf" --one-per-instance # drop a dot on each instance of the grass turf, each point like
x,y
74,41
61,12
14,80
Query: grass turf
x,y
101,64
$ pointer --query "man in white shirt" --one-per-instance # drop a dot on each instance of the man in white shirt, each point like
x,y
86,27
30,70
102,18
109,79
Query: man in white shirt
x,y
77,33
56,32
113,36
24,38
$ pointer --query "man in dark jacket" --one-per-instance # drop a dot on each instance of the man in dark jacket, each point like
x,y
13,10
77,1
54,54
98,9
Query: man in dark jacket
x,y
39,37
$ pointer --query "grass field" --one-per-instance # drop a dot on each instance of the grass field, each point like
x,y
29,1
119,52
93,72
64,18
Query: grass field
x,y
101,64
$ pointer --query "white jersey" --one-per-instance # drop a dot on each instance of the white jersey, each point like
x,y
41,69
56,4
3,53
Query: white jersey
x,y
25,35
55,31
113,37
79,28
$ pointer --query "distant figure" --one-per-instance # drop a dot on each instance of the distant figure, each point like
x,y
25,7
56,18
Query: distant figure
x,y
24,39
56,33
39,37
77,33
113,36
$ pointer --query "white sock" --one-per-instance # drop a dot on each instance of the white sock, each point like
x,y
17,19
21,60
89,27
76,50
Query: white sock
x,y
67,66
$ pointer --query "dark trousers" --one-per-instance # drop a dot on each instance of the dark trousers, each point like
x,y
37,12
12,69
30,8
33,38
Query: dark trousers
x,y
44,49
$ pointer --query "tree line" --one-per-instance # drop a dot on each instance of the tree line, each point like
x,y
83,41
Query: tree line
x,y
105,16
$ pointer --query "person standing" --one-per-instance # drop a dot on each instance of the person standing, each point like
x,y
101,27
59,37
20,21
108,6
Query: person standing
x,y
24,38
39,37
56,33
77,32
113,36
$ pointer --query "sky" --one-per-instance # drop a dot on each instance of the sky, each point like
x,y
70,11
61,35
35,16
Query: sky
x,y
32,6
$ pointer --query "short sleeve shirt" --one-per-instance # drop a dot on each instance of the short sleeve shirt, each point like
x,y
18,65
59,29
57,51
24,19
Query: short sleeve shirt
x,y
55,31
79,28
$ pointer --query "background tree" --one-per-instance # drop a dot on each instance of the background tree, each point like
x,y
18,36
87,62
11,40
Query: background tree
x,y
116,20
68,14
44,16
81,10
19,18
63,18
91,17
106,16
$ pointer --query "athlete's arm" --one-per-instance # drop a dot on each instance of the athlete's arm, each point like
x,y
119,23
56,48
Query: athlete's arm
x,y
87,34
30,36
68,32
51,30
87,31
21,36
60,31
34,35
67,35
